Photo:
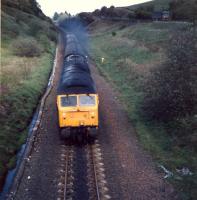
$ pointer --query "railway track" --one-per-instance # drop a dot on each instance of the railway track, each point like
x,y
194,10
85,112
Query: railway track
x,y
82,174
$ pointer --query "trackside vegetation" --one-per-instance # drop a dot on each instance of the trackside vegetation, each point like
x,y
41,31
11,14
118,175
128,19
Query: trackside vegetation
x,y
153,65
26,62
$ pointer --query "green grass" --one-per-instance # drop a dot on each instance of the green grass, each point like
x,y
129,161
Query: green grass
x,y
128,60
147,35
18,104
23,80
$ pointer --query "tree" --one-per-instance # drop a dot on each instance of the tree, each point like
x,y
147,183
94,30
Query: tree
x,y
103,10
55,16
131,15
112,7
66,13
184,10
111,11
141,13
96,12
171,90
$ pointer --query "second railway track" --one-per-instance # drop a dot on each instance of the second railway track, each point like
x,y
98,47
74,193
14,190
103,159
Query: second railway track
x,y
82,174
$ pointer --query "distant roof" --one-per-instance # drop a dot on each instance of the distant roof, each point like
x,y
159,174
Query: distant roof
x,y
157,14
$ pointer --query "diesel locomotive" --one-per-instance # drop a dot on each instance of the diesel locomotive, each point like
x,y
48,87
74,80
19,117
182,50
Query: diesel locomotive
x,y
77,99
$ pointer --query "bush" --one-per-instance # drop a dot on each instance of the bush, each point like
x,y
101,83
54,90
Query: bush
x,y
28,47
36,25
113,33
170,92
8,26
184,10
142,13
45,42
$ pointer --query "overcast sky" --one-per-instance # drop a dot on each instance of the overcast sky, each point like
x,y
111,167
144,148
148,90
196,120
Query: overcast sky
x,y
76,6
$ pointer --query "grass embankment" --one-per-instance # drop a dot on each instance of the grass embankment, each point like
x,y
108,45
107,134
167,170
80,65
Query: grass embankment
x,y
24,74
130,55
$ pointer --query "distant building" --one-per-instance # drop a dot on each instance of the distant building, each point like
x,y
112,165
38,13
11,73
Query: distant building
x,y
165,15
157,16
161,15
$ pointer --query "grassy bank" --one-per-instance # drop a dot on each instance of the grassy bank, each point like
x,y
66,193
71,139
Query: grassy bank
x,y
23,81
131,53
27,53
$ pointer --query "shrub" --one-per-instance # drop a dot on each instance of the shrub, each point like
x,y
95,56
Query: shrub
x,y
8,26
184,10
55,16
28,47
142,13
52,34
35,26
170,92
113,33
45,42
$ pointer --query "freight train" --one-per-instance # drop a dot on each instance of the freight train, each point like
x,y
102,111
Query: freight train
x,y
77,99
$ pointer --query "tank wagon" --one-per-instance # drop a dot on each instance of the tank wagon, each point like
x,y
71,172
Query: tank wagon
x,y
77,99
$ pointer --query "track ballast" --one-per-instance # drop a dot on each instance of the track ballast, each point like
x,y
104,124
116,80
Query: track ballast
x,y
82,173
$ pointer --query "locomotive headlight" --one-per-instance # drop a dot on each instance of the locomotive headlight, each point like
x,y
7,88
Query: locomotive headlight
x,y
64,115
92,114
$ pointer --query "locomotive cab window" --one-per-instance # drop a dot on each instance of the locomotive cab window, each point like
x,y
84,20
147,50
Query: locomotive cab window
x,y
69,101
87,100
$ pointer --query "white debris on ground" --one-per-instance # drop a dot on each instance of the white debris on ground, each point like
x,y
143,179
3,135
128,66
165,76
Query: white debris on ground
x,y
184,171
168,173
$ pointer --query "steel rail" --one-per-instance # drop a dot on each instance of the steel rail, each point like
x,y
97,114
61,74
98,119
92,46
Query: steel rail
x,y
92,158
66,173
95,174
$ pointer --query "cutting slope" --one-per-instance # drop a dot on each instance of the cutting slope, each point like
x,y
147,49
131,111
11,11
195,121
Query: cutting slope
x,y
28,39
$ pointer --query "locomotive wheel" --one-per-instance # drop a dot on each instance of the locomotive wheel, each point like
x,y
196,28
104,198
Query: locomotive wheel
x,y
73,137
64,134
92,135
79,138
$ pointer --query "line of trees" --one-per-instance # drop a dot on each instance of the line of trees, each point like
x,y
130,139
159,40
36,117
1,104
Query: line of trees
x,y
57,16
179,10
184,10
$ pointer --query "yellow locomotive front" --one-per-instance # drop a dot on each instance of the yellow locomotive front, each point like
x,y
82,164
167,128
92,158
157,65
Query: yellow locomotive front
x,y
78,115
78,110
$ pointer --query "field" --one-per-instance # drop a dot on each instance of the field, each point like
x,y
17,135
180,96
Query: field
x,y
131,52
26,62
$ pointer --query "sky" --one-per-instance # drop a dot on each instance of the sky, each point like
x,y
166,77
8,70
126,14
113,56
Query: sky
x,y
76,6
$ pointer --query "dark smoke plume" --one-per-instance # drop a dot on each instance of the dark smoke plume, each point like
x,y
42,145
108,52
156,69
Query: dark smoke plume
x,y
75,25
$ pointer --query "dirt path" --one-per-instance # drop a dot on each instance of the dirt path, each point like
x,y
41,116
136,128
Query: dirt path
x,y
129,171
